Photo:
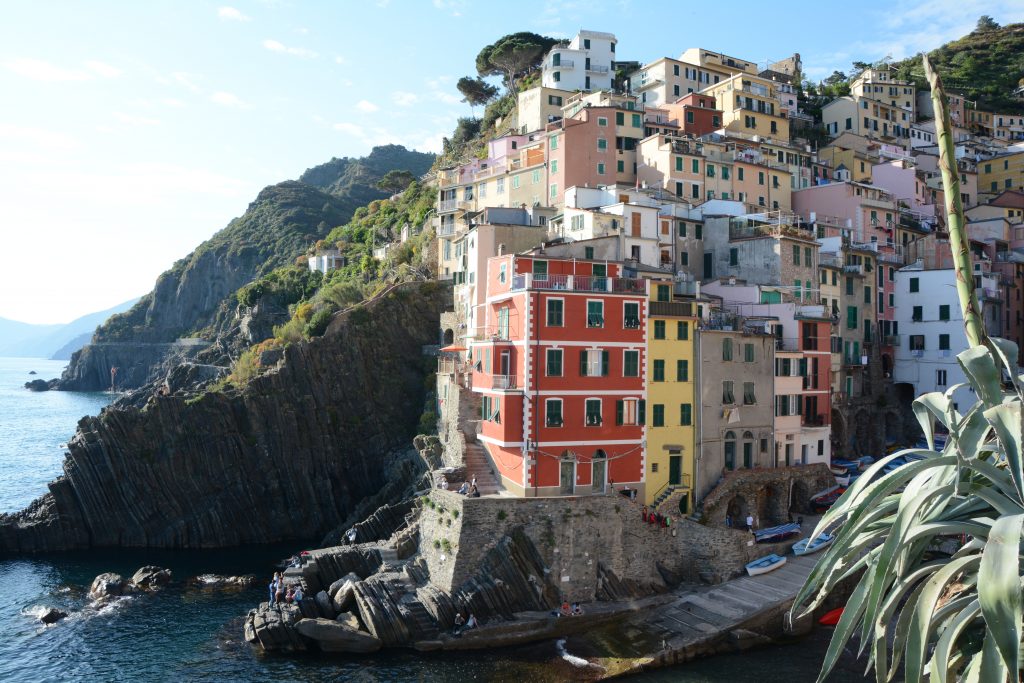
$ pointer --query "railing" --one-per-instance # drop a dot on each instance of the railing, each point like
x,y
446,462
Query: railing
x,y
490,171
829,260
891,340
580,283
988,293
887,257
852,360
597,68
673,309
684,288
787,344
813,421
855,268
506,382
446,229
562,62
447,205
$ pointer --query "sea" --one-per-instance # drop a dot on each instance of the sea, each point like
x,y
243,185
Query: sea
x,y
184,633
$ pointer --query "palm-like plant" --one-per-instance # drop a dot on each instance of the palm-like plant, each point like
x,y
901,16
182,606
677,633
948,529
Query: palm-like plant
x,y
948,616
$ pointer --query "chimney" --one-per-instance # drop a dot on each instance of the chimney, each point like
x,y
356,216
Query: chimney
x,y
501,249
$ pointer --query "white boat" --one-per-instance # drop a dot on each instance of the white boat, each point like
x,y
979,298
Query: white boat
x,y
806,546
765,564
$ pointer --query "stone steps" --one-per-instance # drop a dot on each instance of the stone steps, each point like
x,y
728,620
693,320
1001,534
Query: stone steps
x,y
478,464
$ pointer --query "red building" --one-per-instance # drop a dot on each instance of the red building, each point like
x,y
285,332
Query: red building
x,y
560,369
695,114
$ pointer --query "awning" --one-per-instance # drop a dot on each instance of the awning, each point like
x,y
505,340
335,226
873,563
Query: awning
x,y
453,349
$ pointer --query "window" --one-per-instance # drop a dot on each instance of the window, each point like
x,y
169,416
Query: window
x,y
914,284
727,349
491,409
917,342
600,168
602,144
698,231
849,286
943,342
867,295
556,311
637,122
516,180
658,417
918,314
681,226
554,190
503,273
695,166
620,166
807,256
728,398
631,315
602,121
554,365
593,363
796,255
685,414
620,118
593,412
503,323
630,363
554,166
664,293
940,378
944,312
730,450
734,256
689,117
553,412
629,411
682,330
710,170
748,353
540,270
725,173
595,314
749,398
682,371
851,317
659,371
659,329
554,142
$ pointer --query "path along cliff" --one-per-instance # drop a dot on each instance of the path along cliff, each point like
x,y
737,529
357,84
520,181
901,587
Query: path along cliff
x,y
288,456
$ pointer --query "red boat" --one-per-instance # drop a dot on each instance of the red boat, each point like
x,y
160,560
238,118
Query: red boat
x,y
823,501
831,618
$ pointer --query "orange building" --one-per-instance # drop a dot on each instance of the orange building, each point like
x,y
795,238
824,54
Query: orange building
x,y
560,368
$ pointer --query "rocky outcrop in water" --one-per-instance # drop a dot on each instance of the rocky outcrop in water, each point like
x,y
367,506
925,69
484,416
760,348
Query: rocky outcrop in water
x,y
287,457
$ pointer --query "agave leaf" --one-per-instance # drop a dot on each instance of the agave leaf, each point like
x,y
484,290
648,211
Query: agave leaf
x,y
902,630
992,668
980,368
1006,351
997,476
944,646
844,629
921,624
1006,420
999,587
883,620
928,408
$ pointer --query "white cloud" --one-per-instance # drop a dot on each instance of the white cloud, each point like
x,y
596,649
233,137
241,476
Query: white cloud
x,y
366,106
447,97
383,3
134,120
350,129
226,99
172,102
38,70
338,59
186,80
454,7
232,14
277,46
103,69
404,99
38,137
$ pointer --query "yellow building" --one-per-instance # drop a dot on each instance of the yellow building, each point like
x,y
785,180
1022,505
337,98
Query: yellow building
x,y
671,400
1004,172
750,105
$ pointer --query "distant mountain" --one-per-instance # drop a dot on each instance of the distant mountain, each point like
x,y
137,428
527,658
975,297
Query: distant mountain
x,y
53,341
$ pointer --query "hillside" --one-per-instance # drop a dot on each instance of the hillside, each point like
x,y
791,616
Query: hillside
x,y
986,65
195,297
52,341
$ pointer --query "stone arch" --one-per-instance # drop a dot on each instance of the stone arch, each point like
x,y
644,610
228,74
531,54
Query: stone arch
x,y
838,435
886,365
799,497
737,510
448,337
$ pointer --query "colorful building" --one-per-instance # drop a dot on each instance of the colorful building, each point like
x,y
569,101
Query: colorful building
x,y
750,105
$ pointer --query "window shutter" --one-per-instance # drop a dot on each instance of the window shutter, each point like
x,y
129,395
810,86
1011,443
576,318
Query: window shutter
x,y
641,412
583,363
618,412
604,363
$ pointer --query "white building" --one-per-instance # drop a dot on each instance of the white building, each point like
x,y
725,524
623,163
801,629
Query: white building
x,y
326,261
931,332
585,65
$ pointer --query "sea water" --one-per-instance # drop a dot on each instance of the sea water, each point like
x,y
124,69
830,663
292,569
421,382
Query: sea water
x,y
190,634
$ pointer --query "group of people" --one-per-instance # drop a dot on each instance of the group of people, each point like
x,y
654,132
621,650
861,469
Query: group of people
x,y
468,488
567,610
284,593
750,522
655,518
464,624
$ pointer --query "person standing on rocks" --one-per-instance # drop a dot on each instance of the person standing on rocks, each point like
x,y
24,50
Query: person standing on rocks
x,y
750,523
273,587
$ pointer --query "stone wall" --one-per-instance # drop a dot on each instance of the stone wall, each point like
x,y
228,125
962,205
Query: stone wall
x,y
769,494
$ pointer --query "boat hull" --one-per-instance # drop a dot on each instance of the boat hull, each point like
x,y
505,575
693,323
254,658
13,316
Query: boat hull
x,y
765,565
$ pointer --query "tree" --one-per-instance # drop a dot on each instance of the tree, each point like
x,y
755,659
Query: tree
x,y
512,56
395,181
476,90
936,542
986,23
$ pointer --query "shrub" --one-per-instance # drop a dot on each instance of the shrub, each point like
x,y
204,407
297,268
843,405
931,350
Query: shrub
x,y
502,515
437,544
317,325
428,422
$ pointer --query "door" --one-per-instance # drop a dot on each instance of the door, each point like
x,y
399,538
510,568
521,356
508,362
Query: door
x,y
708,265
748,454
635,227
597,472
675,470
505,363
803,454
789,454
568,478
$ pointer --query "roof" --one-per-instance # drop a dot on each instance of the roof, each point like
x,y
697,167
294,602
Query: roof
x,y
1012,199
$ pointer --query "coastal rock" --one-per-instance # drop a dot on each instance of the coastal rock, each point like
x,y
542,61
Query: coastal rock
x,y
52,616
106,586
219,581
192,377
348,619
37,385
342,592
334,636
151,577
324,606
273,628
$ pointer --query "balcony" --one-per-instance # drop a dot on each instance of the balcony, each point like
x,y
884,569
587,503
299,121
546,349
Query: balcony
x,y
446,229
562,64
814,421
854,268
671,309
891,340
504,382
853,361
829,261
580,283
597,68
787,344
989,293
447,205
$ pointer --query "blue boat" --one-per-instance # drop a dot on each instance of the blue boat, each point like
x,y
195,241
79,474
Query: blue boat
x,y
765,564
806,546
776,533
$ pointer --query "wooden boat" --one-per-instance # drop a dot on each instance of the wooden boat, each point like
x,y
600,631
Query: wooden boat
x,y
824,500
766,564
776,533
831,618
806,546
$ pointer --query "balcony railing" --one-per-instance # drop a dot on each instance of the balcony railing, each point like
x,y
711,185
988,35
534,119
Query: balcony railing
x,y
567,63
447,205
446,229
504,382
787,344
813,421
988,293
672,309
580,283
854,268
891,340
597,68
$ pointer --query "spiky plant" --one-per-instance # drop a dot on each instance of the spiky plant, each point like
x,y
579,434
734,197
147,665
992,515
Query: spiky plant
x,y
950,617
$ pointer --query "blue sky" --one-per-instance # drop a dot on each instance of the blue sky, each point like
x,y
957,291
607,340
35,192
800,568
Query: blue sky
x,y
131,131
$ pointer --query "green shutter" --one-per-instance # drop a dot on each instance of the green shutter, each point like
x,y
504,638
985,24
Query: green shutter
x,y
618,412
604,363
641,411
583,363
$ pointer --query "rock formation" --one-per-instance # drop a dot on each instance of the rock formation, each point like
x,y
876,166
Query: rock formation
x,y
52,615
286,457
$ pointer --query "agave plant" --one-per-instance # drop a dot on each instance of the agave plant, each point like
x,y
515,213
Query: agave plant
x,y
954,615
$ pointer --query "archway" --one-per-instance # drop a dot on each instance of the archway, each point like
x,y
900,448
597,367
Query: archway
x,y
886,365
799,497
449,337
736,512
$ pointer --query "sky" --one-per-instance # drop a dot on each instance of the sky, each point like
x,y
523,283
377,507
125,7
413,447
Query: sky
x,y
132,131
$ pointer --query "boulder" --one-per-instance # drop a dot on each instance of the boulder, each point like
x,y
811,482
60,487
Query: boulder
x,y
350,620
324,606
273,628
342,592
106,586
334,636
151,577
220,581
38,385
52,616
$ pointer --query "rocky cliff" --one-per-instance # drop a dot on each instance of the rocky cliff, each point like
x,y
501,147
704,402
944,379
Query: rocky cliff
x,y
195,298
288,456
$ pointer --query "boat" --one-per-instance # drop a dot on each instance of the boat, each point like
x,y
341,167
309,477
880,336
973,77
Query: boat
x,y
766,564
806,546
832,617
824,500
776,533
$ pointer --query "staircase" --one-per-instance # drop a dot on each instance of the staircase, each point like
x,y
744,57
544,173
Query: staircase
x,y
478,464
663,496
667,503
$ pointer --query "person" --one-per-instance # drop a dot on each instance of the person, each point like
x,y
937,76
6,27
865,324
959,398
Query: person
x,y
460,623
474,492
464,489
290,595
750,523
444,483
643,513
281,591
297,595
473,482
273,588
566,609
350,535
728,520
576,609
471,622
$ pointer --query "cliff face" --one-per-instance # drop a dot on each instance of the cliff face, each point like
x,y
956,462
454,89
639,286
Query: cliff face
x,y
287,457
